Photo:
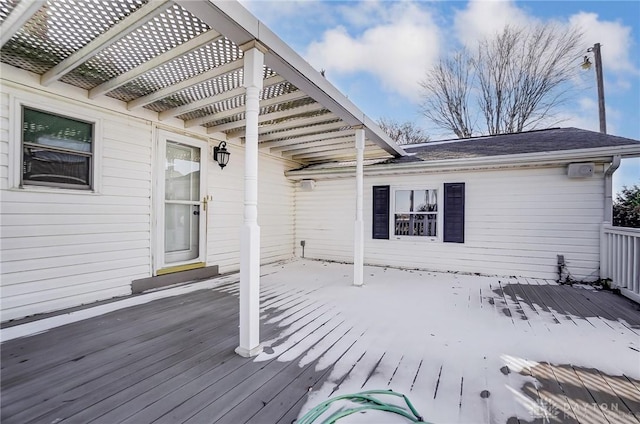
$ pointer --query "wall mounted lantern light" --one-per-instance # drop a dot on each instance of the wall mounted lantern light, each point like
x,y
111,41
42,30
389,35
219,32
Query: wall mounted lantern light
x,y
221,154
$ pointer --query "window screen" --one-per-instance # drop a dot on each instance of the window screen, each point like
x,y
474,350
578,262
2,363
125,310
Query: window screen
x,y
56,150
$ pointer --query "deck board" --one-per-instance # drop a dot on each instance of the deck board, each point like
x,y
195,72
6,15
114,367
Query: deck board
x,y
172,360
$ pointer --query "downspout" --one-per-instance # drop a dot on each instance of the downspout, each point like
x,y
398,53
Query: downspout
x,y
608,216
608,189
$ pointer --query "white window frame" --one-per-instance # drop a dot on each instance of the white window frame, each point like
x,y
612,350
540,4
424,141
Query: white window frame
x,y
438,213
65,110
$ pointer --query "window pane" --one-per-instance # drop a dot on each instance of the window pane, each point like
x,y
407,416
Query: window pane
x,y
182,172
420,200
431,225
402,224
416,225
432,201
42,165
56,131
403,200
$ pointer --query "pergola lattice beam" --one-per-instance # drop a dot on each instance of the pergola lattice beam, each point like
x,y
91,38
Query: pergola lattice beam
x,y
18,17
269,117
371,152
290,123
104,40
312,146
339,145
162,59
328,151
289,97
305,139
315,129
226,95
299,122
182,85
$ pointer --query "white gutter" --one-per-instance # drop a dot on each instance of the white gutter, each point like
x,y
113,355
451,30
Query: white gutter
x,y
236,23
600,154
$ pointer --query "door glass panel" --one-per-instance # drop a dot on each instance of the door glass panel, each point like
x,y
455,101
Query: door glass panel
x,y
182,172
180,224
182,203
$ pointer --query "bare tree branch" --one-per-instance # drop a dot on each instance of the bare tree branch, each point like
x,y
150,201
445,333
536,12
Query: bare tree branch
x,y
516,80
403,133
446,97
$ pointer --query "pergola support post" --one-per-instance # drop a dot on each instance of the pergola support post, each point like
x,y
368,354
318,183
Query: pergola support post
x,y
358,254
250,232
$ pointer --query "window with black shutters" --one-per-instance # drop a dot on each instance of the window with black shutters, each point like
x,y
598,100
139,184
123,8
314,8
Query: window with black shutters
x,y
454,213
381,212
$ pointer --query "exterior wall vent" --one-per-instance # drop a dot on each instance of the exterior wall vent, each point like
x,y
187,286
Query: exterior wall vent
x,y
580,170
307,185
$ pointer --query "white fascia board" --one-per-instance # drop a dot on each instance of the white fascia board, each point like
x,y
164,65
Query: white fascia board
x,y
600,154
240,26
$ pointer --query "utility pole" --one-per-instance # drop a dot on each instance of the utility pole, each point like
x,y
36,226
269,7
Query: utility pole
x,y
598,58
586,65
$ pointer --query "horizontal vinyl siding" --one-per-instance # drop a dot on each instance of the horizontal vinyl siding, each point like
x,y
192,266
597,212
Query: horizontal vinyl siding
x,y
4,140
325,219
276,210
63,248
517,221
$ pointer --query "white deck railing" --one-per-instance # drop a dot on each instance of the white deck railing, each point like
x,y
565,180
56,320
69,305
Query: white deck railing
x,y
620,259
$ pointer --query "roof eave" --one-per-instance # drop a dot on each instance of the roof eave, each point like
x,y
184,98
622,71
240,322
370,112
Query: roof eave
x,y
600,154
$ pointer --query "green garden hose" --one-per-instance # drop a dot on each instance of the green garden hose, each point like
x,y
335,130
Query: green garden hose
x,y
369,403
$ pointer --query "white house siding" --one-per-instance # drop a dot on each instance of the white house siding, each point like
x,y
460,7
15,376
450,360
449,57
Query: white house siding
x,y
517,221
276,210
64,248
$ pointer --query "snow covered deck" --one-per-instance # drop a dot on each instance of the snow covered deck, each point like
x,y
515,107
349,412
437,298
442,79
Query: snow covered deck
x,y
463,348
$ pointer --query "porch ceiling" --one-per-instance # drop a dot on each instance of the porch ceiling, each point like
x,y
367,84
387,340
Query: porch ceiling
x,y
183,60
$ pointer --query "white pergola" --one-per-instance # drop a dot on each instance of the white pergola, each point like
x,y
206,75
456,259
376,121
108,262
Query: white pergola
x,y
213,68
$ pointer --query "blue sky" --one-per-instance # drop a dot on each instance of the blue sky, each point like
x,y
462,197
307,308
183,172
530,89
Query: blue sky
x,y
376,52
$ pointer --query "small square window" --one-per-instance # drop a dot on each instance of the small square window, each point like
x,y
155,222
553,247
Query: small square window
x,y
56,151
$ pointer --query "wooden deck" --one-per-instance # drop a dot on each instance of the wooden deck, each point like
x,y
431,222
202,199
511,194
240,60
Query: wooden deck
x,y
172,360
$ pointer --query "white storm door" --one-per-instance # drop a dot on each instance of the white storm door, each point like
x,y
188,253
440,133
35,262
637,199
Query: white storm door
x,y
183,224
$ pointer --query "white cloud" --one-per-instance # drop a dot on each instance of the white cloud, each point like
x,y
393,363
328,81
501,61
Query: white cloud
x,y
484,18
397,45
615,38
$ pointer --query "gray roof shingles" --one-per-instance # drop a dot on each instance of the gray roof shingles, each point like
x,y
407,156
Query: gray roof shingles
x,y
551,140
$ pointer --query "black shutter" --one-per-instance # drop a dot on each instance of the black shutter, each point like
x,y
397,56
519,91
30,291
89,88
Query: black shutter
x,y
454,213
381,212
